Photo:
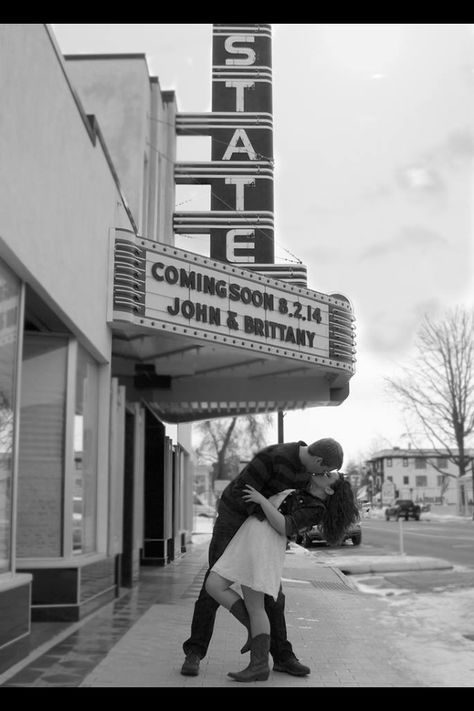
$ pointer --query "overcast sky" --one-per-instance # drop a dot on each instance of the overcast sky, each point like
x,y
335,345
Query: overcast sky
x,y
374,157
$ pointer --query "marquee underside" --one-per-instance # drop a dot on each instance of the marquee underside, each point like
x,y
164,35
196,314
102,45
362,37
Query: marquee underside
x,y
183,379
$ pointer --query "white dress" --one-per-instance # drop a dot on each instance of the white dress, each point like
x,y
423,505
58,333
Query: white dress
x,y
256,553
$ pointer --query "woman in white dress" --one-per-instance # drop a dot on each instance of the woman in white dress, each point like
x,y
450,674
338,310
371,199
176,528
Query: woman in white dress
x,y
255,556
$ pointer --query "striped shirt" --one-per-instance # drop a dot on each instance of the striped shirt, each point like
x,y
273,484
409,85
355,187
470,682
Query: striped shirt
x,y
273,469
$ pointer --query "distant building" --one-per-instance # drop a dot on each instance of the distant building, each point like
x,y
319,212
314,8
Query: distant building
x,y
424,475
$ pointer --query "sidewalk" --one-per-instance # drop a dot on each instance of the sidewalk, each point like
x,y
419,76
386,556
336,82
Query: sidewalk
x,y
136,641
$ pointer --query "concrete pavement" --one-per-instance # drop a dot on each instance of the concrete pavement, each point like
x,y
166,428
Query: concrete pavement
x,y
137,640
328,622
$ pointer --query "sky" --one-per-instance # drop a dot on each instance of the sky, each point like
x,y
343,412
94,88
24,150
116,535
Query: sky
x,y
374,157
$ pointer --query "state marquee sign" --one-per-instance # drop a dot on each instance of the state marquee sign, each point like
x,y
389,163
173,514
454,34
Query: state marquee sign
x,y
242,97
169,289
240,222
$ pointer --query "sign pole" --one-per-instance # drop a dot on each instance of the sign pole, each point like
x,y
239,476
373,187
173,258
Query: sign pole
x,y
281,415
400,529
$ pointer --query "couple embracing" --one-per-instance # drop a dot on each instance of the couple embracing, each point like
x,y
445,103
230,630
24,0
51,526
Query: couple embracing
x,y
285,490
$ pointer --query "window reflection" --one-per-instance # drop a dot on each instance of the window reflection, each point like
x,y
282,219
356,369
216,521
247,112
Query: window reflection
x,y
85,455
9,310
78,488
41,455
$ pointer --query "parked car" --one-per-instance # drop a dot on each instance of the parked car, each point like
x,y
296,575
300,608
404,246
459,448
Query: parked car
x,y
403,508
200,508
315,535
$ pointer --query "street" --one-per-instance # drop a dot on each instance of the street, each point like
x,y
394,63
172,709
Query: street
x,y
450,540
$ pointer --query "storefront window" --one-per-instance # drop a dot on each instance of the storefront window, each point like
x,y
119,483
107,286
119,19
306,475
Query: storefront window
x,y
41,456
9,315
85,455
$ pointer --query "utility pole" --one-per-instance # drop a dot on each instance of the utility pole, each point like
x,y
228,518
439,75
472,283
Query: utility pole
x,y
281,415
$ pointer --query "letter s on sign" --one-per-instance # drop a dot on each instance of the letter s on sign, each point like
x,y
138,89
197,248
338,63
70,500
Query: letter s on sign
x,y
229,45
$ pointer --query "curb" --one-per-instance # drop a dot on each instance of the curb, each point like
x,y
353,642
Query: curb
x,y
397,565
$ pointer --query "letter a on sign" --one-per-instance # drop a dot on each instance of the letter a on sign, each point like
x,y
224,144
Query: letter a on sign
x,y
234,148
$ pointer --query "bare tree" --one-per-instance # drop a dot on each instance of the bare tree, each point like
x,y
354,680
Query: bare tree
x,y
437,386
226,441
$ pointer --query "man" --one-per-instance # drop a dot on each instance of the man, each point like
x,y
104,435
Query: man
x,y
272,470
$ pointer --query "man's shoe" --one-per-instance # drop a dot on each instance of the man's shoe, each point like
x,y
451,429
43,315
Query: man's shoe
x,y
292,666
191,665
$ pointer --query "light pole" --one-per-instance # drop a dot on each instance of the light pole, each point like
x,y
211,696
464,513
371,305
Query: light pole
x,y
281,415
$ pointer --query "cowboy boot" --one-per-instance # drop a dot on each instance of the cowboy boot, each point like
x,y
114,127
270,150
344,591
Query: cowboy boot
x,y
239,611
258,669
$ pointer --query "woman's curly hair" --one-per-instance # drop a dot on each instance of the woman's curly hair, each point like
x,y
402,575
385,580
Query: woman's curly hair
x,y
341,511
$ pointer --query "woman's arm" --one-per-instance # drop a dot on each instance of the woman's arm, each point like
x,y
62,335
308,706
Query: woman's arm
x,y
274,517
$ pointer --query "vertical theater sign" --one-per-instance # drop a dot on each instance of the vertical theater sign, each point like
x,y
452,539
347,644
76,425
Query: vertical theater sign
x,y
242,144
241,222
244,334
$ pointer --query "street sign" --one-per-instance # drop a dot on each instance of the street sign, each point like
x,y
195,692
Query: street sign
x,y
388,492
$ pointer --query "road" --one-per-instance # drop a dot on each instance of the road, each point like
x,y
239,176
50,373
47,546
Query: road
x,y
450,540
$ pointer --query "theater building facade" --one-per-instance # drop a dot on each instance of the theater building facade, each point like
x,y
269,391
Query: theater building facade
x,y
113,339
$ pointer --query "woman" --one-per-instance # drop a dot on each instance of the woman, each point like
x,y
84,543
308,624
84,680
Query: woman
x,y
254,558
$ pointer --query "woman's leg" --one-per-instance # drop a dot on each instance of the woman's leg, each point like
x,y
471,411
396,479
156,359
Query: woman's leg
x,y
219,588
258,669
255,604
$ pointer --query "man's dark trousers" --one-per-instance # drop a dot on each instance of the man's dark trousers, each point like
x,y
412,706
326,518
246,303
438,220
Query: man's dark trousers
x,y
205,608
